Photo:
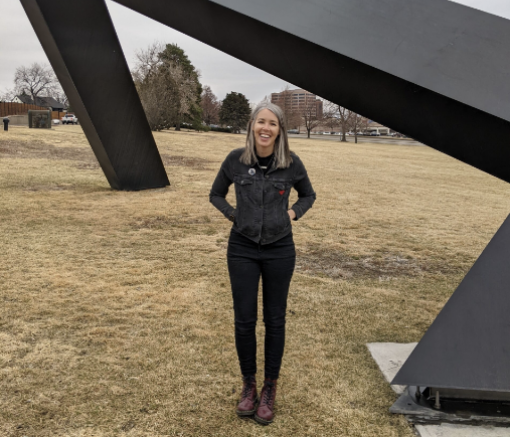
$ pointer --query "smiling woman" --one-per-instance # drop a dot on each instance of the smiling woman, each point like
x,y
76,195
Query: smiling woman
x,y
265,130
261,245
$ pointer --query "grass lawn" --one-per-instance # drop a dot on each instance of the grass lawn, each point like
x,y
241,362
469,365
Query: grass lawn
x,y
116,309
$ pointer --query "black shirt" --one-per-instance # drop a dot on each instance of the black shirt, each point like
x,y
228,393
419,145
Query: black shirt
x,y
265,162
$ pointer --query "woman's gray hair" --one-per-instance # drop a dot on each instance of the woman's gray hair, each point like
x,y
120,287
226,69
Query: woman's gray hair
x,y
282,158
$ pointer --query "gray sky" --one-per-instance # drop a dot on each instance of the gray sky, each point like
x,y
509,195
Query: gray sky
x,y
19,46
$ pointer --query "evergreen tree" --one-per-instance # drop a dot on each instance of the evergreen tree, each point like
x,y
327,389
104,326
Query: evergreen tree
x,y
189,109
235,111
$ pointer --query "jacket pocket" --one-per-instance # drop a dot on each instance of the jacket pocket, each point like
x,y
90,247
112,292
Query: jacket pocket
x,y
280,191
245,201
244,189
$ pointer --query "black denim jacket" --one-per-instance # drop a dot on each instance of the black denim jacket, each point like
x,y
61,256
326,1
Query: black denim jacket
x,y
262,200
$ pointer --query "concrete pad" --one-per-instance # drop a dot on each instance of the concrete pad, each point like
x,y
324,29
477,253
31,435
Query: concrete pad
x,y
443,429
390,357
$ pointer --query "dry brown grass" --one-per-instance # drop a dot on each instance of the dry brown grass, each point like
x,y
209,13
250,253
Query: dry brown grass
x,y
117,316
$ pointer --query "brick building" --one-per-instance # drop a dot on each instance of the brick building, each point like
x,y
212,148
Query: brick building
x,y
297,101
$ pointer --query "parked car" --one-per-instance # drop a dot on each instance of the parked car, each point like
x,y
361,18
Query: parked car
x,y
293,131
327,133
375,134
70,119
55,122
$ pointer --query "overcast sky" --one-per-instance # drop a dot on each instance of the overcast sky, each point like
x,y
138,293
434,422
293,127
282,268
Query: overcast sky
x,y
19,46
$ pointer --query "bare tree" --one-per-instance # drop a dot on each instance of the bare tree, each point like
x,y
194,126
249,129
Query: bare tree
x,y
339,116
8,95
330,115
147,61
35,81
357,123
210,106
309,114
344,117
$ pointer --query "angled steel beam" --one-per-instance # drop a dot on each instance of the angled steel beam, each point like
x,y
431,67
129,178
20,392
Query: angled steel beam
x,y
431,69
83,49
466,347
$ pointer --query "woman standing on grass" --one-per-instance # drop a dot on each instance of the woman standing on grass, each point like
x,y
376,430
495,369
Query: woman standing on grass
x,y
261,245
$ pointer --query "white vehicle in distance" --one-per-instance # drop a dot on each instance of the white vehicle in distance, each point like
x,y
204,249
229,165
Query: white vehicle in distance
x,y
55,122
70,119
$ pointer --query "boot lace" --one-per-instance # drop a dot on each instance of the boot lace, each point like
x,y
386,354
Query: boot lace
x,y
247,387
268,393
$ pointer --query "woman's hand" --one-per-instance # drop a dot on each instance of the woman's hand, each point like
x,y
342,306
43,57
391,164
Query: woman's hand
x,y
292,214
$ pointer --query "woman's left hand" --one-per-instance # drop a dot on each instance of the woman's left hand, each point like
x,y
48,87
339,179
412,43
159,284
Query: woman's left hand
x,y
292,214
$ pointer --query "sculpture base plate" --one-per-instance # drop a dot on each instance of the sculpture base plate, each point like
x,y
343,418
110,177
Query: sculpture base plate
x,y
478,413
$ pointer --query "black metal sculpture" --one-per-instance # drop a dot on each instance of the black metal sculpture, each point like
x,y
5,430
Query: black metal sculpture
x,y
426,68
83,49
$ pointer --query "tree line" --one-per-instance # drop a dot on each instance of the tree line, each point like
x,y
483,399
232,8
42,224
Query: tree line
x,y
172,95
168,85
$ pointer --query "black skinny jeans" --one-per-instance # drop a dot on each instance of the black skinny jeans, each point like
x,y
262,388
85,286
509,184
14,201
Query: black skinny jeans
x,y
247,262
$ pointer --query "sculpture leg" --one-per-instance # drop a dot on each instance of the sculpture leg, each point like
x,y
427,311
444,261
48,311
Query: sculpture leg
x,y
466,348
83,49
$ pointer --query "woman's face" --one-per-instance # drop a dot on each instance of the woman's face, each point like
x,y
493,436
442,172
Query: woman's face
x,y
266,129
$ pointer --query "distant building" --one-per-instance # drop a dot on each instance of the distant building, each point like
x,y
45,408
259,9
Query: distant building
x,y
377,127
297,100
47,102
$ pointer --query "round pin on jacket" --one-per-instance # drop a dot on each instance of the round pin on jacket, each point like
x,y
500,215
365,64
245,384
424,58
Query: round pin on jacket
x,y
252,171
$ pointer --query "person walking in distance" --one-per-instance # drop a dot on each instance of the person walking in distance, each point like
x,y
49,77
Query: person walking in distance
x,y
261,245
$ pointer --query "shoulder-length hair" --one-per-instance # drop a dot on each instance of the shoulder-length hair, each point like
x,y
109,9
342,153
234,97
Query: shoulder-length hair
x,y
282,157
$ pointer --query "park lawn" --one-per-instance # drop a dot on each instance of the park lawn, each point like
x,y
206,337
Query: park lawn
x,y
116,310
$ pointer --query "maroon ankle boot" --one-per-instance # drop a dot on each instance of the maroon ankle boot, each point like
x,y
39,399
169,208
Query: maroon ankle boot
x,y
265,411
249,398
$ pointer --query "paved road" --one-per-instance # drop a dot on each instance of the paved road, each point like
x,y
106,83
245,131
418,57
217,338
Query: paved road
x,y
361,139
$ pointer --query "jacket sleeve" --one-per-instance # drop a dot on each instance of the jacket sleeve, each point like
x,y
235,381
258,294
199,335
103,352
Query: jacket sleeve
x,y
219,190
303,186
